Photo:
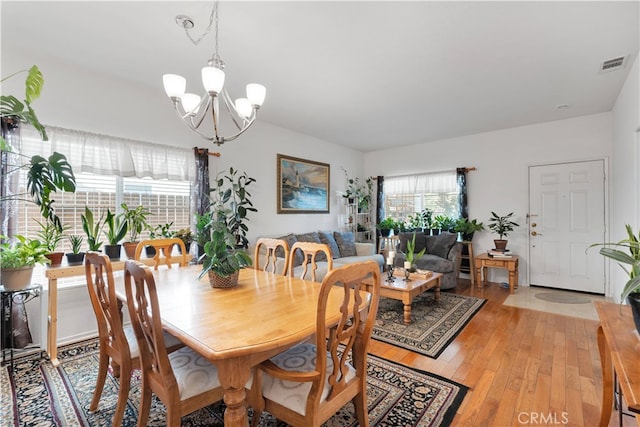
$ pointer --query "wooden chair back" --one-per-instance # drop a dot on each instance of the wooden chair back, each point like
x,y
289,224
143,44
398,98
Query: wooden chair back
x,y
340,348
271,247
310,252
164,246
113,341
158,367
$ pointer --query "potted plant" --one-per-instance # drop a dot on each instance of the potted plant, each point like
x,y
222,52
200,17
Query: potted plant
x,y
411,257
44,176
414,222
92,229
502,226
160,231
385,226
467,228
115,232
75,257
232,192
427,220
18,259
136,220
186,236
362,193
442,223
50,236
223,257
627,252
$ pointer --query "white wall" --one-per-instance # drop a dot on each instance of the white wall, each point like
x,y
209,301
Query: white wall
x,y
624,167
85,100
501,159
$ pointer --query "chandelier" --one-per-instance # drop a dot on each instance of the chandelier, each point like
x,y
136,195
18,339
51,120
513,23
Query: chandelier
x,y
194,109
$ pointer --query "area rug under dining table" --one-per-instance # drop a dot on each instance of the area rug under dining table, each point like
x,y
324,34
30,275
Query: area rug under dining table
x,y
434,324
40,394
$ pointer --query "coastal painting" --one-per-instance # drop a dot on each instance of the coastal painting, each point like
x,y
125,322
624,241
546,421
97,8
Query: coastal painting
x,y
303,185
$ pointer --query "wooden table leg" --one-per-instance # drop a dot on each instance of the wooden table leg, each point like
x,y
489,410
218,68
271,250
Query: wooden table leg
x,y
52,322
607,379
479,275
436,290
234,374
512,280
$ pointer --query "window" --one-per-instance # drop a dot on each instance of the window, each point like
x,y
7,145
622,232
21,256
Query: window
x,y
111,171
406,195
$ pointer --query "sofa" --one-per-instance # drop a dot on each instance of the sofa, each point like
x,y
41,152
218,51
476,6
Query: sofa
x,y
442,255
342,245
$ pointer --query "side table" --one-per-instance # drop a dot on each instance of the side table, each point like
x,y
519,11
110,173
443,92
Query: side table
x,y
7,298
483,261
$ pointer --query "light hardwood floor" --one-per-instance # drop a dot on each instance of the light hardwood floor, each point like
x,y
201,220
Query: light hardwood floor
x,y
523,367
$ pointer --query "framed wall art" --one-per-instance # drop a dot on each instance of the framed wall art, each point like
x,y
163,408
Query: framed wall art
x,y
303,185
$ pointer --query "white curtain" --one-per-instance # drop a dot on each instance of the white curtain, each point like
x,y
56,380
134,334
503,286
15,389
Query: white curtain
x,y
436,182
109,155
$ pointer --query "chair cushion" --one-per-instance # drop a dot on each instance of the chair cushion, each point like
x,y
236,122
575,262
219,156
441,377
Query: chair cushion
x,y
293,395
328,239
134,350
441,244
346,243
194,374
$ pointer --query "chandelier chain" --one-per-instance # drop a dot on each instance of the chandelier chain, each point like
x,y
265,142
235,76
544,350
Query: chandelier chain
x,y
213,16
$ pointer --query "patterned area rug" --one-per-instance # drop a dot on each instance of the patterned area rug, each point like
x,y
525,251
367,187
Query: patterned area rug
x,y
44,395
433,324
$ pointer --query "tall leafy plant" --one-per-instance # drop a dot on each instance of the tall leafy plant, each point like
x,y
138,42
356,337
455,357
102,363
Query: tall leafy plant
x,y
92,229
44,175
116,228
232,194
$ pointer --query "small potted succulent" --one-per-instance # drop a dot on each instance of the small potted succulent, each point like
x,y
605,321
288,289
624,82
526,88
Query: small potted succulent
x,y
75,257
411,256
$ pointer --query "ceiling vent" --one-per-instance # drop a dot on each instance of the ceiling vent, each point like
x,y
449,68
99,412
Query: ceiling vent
x,y
613,64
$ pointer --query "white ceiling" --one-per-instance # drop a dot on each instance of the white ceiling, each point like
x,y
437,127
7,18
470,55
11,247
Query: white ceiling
x,y
363,74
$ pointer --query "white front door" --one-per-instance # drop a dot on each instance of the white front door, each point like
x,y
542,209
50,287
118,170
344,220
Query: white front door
x,y
566,215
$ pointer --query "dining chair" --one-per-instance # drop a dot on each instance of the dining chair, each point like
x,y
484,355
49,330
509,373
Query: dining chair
x,y
165,246
274,248
308,383
311,255
183,380
117,342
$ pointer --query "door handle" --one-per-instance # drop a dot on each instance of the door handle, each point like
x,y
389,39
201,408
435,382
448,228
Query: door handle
x,y
535,233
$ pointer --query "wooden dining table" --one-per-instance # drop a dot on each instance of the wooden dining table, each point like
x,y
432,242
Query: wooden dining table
x,y
237,328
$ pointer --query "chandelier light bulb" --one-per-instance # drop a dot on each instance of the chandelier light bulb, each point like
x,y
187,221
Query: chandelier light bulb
x,y
243,107
174,85
256,94
190,103
212,79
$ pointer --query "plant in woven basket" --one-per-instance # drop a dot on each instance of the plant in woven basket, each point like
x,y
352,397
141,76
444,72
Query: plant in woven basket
x,y
223,255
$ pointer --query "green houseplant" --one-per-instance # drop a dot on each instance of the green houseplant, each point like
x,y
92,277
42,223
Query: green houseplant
x,y
627,253
75,257
136,221
203,231
186,236
502,225
411,256
385,226
115,232
51,236
232,192
92,229
223,256
17,260
44,176
467,228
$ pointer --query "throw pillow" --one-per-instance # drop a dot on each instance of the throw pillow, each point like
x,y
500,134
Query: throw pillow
x,y
290,239
327,238
346,243
441,244
312,237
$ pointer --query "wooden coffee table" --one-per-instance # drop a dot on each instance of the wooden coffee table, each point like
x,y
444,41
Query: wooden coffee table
x,y
404,291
